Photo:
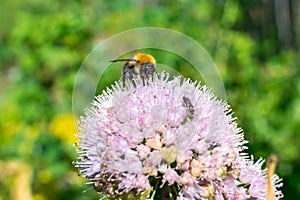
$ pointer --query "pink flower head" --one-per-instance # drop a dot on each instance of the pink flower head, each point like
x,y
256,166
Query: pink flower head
x,y
138,139
170,176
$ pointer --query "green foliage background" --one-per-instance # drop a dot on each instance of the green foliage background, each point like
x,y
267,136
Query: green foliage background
x,y
43,42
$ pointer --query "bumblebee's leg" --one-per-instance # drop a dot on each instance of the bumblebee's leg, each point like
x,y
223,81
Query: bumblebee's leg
x,y
125,74
152,77
131,74
152,72
124,79
142,74
146,71
133,82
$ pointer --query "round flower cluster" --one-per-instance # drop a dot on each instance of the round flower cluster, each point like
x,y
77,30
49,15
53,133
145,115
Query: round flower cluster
x,y
169,138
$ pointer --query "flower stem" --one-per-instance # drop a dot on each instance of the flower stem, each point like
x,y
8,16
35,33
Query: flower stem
x,y
175,190
155,188
170,193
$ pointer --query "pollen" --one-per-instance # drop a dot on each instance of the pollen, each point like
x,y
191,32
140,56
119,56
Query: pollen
x,y
144,58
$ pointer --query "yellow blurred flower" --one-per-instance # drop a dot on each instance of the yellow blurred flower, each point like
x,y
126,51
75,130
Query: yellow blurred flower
x,y
39,197
44,176
63,127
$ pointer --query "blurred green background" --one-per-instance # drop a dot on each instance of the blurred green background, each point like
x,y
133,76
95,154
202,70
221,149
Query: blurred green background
x,y
255,44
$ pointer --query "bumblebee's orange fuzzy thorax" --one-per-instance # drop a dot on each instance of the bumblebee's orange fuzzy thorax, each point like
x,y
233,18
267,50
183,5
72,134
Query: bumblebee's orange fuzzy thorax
x,y
144,58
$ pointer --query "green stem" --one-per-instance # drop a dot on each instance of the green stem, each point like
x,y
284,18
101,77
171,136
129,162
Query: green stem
x,y
170,193
155,188
175,190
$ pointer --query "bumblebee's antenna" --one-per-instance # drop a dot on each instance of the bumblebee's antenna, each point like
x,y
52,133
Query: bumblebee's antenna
x,y
124,59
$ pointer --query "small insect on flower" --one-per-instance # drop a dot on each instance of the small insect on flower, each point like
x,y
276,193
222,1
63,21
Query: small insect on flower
x,y
141,67
190,108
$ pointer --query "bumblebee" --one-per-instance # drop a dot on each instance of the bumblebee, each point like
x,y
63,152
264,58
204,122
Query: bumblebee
x,y
141,67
